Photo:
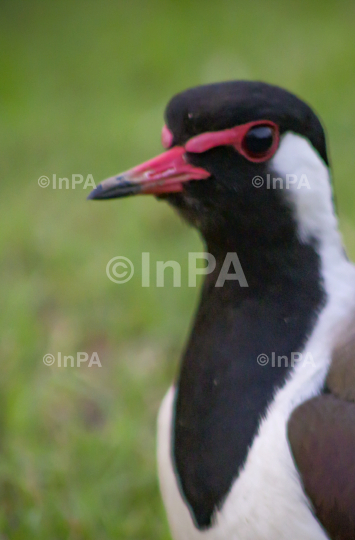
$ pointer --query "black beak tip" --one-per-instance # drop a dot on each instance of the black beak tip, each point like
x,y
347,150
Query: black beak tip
x,y
121,189
95,193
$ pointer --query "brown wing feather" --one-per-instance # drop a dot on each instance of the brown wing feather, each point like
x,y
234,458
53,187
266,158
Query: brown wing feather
x,y
321,434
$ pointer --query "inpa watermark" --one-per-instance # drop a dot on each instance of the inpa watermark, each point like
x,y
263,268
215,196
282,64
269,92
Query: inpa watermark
x,y
120,269
295,358
67,183
291,181
81,358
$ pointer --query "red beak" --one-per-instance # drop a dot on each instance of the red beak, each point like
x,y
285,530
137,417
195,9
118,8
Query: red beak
x,y
165,173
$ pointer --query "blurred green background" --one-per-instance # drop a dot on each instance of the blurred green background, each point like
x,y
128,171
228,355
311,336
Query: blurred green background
x,y
82,91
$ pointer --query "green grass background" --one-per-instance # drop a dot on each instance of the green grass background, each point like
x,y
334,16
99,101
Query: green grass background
x,y
83,88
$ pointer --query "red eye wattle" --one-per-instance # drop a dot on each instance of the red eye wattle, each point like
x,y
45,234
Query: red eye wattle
x,y
166,137
256,141
259,143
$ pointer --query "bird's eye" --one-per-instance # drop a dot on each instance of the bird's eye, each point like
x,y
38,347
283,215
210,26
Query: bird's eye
x,y
259,142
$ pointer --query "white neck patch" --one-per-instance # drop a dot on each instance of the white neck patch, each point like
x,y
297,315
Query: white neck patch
x,y
308,189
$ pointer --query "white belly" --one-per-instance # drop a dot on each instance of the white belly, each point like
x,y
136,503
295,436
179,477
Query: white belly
x,y
266,501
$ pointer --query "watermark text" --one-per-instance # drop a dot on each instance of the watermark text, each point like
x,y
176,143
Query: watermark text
x,y
120,269
67,183
80,359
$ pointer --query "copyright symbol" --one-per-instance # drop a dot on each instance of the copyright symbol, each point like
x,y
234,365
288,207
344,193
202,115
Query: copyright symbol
x,y
48,359
43,181
262,359
122,263
257,181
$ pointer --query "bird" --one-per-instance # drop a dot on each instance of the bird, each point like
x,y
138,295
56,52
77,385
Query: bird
x,y
256,436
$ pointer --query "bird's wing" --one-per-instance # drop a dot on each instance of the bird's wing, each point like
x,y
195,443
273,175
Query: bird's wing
x,y
321,434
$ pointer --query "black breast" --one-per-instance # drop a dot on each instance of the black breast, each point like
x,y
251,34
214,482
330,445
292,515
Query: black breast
x,y
223,391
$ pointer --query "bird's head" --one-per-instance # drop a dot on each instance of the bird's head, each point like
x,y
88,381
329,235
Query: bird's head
x,y
240,156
